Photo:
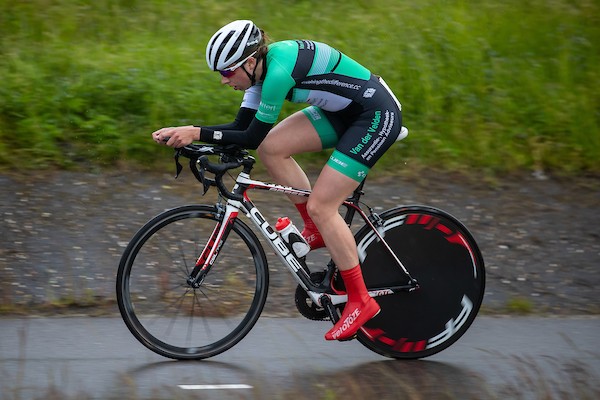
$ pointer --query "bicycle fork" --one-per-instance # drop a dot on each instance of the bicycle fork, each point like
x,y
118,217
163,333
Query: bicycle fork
x,y
225,220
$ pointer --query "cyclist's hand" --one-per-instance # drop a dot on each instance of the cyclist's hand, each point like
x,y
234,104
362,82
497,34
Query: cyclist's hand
x,y
178,136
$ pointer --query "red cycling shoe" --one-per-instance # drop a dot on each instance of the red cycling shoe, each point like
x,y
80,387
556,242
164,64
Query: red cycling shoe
x,y
354,316
359,309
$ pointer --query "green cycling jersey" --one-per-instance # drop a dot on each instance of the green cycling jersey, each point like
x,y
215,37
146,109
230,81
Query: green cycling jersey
x,y
309,72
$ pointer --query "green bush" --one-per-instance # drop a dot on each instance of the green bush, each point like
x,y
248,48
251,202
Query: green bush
x,y
491,85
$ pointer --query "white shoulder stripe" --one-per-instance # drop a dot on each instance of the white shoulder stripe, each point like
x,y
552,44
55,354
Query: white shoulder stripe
x,y
252,97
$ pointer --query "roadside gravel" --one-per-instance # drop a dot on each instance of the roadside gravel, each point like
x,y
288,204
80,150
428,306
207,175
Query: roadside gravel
x,y
63,233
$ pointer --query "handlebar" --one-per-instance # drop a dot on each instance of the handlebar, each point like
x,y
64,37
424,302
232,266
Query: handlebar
x,y
230,157
197,150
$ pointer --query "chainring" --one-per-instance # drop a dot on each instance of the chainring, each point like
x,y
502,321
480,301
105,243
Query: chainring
x,y
306,306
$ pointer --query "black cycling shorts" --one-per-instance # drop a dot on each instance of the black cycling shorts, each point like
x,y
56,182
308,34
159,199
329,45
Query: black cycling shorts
x,y
362,132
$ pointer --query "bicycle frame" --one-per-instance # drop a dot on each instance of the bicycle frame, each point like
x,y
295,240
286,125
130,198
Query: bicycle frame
x,y
296,265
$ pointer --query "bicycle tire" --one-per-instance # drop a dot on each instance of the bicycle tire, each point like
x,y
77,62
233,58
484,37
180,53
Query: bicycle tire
x,y
164,312
442,255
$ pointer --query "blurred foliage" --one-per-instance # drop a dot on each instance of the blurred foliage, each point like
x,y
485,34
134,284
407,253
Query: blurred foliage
x,y
493,86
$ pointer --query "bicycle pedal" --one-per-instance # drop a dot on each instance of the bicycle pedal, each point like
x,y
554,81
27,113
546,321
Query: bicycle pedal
x,y
330,308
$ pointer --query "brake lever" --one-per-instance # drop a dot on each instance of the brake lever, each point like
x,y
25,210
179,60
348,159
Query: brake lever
x,y
206,182
199,170
178,166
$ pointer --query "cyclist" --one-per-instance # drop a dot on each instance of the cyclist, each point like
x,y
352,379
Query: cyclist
x,y
351,110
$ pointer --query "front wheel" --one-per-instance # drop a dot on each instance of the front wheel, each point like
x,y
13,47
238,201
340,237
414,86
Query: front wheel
x,y
169,315
441,254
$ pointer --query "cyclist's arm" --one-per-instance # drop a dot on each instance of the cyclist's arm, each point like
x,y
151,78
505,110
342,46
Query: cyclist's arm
x,y
238,132
241,122
272,95
245,130
249,138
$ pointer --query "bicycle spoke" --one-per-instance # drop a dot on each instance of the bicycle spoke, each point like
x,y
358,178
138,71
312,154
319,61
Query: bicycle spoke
x,y
191,320
160,307
184,259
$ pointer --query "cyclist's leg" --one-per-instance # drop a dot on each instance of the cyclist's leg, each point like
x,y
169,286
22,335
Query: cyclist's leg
x,y
358,149
308,130
293,135
331,189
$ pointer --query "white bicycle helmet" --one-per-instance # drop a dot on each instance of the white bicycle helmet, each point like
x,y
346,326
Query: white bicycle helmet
x,y
232,45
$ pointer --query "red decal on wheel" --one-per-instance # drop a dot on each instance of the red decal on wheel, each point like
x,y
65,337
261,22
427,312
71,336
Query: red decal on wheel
x,y
401,345
424,219
412,219
444,229
420,345
404,346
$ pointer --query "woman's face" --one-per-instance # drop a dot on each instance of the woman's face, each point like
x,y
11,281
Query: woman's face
x,y
238,79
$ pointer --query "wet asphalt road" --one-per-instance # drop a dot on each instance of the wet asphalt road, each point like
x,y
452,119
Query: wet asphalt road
x,y
82,357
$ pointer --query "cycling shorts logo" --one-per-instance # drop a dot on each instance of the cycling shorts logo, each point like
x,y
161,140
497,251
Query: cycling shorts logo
x,y
338,161
217,135
369,93
314,114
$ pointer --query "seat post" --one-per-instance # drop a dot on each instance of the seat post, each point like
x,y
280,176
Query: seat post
x,y
354,200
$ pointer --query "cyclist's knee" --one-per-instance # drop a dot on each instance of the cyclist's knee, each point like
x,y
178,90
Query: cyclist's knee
x,y
319,210
267,155
270,148
264,150
313,209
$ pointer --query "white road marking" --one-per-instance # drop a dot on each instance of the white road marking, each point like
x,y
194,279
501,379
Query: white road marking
x,y
215,387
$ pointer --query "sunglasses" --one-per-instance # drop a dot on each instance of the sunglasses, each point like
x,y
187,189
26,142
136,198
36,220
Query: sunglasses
x,y
229,72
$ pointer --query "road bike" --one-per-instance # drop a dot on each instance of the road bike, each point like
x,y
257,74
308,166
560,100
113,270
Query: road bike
x,y
193,281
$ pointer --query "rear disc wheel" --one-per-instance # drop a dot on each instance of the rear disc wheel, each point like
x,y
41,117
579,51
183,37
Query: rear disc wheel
x,y
441,254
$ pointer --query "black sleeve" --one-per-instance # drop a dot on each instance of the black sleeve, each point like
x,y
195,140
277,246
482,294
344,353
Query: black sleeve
x,y
249,138
241,123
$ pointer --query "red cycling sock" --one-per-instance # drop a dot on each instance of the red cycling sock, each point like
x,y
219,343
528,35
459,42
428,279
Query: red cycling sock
x,y
359,309
303,212
310,231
